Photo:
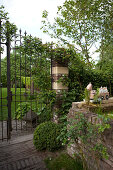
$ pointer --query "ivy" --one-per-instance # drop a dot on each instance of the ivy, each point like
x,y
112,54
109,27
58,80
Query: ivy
x,y
78,130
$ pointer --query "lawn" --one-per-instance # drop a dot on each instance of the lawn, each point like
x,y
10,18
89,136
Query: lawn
x,y
15,101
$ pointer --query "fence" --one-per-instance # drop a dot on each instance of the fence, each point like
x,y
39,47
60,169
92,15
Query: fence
x,y
27,66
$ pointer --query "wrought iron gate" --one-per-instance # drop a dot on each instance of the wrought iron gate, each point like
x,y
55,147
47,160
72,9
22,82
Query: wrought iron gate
x,y
18,92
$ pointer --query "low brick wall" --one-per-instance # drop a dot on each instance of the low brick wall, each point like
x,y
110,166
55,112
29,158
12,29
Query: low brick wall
x,y
102,164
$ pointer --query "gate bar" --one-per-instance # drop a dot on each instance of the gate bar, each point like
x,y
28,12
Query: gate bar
x,y
9,126
1,81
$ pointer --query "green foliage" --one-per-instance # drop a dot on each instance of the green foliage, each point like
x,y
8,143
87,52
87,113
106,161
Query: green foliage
x,y
46,100
47,97
87,95
96,96
4,80
45,113
105,65
39,55
3,14
22,109
34,53
104,123
4,110
67,98
10,30
41,104
80,74
80,129
63,161
15,69
26,81
83,23
45,14
101,151
7,29
45,136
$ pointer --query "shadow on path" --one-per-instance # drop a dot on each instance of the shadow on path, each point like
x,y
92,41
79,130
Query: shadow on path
x,y
19,154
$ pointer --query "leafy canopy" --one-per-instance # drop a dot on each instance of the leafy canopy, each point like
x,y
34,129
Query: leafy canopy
x,y
82,23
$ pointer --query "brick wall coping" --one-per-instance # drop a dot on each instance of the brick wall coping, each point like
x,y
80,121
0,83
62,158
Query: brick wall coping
x,y
106,105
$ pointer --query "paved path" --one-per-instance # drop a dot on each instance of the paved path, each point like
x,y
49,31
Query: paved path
x,y
21,126
20,154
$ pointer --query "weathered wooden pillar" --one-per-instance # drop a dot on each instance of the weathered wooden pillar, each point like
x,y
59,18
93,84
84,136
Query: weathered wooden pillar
x,y
59,70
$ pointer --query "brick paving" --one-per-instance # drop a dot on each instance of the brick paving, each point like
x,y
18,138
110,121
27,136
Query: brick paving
x,y
20,154
21,126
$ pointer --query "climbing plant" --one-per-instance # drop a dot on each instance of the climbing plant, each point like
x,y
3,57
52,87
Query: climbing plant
x,y
78,130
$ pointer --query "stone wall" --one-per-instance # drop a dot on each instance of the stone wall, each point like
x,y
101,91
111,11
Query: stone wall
x,y
88,111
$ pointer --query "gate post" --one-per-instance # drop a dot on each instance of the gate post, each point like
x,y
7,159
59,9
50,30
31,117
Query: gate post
x,y
59,70
9,126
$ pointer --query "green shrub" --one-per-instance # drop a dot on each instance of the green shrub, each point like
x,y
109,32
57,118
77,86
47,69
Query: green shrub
x,y
45,136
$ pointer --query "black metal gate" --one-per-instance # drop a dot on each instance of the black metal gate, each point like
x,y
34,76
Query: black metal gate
x,y
22,73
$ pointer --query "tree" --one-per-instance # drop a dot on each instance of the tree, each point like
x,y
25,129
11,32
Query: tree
x,y
38,56
30,60
7,28
106,45
105,67
81,22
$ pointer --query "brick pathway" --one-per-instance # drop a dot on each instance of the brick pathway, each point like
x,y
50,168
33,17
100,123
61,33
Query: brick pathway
x,y
26,129
20,154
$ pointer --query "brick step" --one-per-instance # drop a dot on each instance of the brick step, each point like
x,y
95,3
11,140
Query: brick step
x,y
32,161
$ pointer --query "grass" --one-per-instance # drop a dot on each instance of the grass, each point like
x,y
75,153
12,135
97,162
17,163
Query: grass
x,y
63,162
14,104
